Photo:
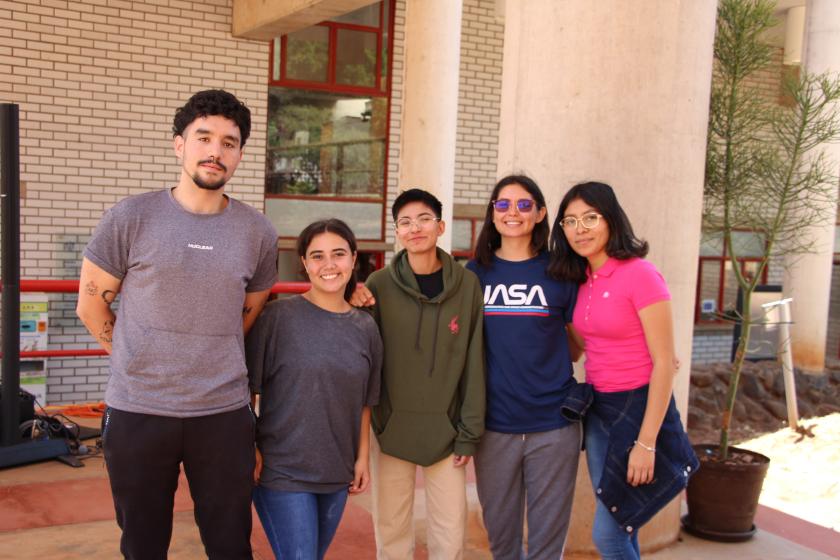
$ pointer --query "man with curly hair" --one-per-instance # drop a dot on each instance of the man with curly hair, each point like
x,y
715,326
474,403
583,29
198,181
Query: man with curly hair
x,y
193,267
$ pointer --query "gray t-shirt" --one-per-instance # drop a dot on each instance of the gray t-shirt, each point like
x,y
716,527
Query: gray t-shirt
x,y
178,347
315,370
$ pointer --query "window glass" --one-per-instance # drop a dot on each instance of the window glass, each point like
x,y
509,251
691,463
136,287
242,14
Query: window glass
x,y
327,124
383,72
291,215
709,286
325,144
369,16
747,244
750,269
718,269
355,60
366,263
461,235
289,267
277,55
307,54
711,244
730,288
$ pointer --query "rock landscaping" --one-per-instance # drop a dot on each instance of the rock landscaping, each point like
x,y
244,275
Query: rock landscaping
x,y
760,406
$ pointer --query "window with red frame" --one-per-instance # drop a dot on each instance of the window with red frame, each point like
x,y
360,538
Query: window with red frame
x,y
348,53
717,287
464,235
327,131
328,103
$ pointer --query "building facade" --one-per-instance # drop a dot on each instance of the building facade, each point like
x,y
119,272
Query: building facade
x,y
353,100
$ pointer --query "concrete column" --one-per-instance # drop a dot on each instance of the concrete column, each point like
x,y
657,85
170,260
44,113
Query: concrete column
x,y
807,279
794,32
430,107
617,91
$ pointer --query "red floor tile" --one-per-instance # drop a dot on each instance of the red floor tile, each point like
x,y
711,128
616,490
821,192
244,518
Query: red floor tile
x,y
44,504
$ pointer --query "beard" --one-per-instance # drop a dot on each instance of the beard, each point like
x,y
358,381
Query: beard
x,y
210,186
202,184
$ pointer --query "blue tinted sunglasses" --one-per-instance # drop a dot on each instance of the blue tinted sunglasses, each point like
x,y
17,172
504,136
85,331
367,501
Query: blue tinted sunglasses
x,y
523,204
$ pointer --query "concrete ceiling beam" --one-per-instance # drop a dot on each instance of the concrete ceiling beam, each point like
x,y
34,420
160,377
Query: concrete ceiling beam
x,y
266,19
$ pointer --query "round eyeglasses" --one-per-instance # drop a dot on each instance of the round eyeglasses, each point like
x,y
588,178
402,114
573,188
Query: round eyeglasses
x,y
422,221
588,221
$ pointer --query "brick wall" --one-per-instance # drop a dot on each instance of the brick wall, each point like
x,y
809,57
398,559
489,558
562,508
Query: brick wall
x,y
479,98
97,82
397,82
709,346
768,81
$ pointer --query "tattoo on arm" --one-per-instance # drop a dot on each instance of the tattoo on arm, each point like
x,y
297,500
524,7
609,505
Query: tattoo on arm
x,y
108,296
107,333
246,310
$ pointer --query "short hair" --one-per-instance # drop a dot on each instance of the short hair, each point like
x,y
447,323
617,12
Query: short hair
x,y
341,229
212,102
489,238
622,244
417,195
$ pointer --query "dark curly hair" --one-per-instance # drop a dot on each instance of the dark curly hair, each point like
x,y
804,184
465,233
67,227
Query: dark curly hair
x,y
622,244
212,102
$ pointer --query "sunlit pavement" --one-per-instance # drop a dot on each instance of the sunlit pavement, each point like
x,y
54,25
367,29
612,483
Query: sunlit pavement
x,y
52,511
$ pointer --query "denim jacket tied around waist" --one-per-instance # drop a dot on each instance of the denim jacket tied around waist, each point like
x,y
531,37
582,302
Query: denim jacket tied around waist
x,y
622,413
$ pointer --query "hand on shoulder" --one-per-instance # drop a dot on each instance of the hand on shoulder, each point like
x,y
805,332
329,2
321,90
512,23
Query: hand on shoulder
x,y
362,297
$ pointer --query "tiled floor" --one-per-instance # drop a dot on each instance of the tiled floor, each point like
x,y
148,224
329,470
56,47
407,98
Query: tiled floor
x,y
52,511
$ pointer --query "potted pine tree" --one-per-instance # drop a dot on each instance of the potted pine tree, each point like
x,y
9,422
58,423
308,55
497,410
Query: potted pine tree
x,y
765,174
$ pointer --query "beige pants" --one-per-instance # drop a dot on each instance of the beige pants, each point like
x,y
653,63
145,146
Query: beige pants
x,y
393,507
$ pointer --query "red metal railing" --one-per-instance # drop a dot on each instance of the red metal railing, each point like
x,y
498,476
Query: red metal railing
x,y
72,287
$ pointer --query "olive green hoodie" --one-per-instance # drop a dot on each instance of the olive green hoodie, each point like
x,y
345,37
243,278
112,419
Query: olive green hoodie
x,y
431,402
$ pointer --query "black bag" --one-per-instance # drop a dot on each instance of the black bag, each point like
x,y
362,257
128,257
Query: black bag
x,y
27,407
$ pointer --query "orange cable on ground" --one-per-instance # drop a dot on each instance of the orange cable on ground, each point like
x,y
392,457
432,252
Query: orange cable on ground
x,y
87,410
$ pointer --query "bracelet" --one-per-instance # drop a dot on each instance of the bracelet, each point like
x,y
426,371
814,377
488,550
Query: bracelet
x,y
645,447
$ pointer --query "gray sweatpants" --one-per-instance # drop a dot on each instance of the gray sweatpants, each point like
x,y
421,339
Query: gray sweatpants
x,y
537,470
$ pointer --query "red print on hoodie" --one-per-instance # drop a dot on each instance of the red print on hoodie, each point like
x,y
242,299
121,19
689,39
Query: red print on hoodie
x,y
453,325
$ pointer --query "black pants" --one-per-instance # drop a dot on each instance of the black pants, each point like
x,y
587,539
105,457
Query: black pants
x,y
143,455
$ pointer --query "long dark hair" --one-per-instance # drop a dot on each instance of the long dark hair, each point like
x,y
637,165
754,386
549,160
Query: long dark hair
x,y
622,244
336,226
489,238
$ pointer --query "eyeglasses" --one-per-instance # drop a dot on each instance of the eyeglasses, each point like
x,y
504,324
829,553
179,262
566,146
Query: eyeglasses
x,y
422,221
588,221
503,204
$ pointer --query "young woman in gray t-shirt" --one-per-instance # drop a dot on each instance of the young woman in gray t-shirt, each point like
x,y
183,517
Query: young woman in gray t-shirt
x,y
315,361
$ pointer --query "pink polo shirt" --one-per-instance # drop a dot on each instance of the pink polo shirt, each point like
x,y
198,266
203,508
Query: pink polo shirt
x,y
607,317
